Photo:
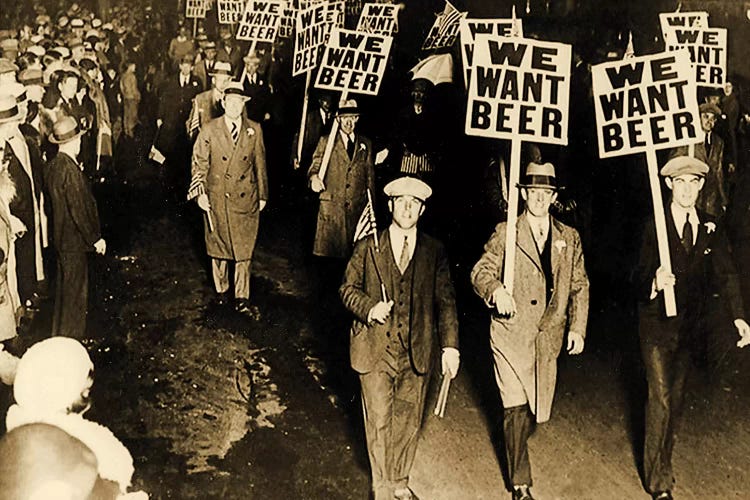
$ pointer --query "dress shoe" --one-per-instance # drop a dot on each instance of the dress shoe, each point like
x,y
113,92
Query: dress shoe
x,y
222,299
522,493
404,494
662,495
243,306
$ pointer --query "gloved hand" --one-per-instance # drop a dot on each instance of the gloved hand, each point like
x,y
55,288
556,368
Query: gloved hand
x,y
450,361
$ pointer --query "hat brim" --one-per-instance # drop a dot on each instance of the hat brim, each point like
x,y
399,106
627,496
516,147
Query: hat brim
x,y
54,140
540,185
12,118
347,111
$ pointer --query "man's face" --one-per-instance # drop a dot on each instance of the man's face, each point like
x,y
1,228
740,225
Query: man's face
x,y
728,88
220,81
406,210
348,122
35,93
713,99
251,65
77,53
418,95
69,87
708,120
538,200
324,103
210,54
185,68
685,189
233,106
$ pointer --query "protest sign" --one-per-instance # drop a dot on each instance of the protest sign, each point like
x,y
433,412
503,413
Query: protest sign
x,y
353,7
354,62
645,102
519,89
708,52
313,26
260,20
673,20
445,29
286,27
469,28
378,18
230,11
195,9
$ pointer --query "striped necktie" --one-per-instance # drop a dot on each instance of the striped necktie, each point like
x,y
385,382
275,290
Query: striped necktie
x,y
403,261
235,132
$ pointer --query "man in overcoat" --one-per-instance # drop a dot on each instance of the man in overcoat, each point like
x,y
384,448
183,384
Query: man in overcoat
x,y
229,168
343,191
76,229
700,258
527,329
403,302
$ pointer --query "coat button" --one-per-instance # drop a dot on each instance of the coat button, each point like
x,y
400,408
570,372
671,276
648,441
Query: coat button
x,y
226,195
244,158
242,195
533,302
348,185
224,158
227,176
388,334
242,177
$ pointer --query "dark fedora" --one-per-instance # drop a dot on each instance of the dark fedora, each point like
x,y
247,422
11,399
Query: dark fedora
x,y
65,129
540,175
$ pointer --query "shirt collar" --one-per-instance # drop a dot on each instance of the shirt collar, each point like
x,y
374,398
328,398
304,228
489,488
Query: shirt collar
x,y
229,122
679,213
536,222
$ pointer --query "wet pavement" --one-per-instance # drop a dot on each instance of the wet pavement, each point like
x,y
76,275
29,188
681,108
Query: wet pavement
x,y
213,404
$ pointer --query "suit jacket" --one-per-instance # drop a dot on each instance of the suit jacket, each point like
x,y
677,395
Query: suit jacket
x,y
433,321
74,212
344,198
235,179
175,102
710,265
260,95
532,339
314,130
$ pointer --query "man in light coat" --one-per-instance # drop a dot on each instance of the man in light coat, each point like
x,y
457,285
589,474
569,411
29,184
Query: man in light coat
x,y
528,325
404,308
229,173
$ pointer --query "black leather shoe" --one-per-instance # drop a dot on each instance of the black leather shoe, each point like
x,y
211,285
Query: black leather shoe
x,y
222,299
662,495
522,493
243,306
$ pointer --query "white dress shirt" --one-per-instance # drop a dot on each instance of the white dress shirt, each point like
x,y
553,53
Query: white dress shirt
x,y
539,229
679,214
397,241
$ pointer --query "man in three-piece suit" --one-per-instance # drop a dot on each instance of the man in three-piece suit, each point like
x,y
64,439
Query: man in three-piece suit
x,y
76,230
527,328
403,302
175,101
229,168
343,191
700,258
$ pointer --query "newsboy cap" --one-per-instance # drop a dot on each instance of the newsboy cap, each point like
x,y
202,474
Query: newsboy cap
x,y
684,165
408,186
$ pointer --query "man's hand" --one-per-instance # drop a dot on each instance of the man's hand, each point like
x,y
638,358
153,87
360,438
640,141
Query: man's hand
x,y
450,362
295,163
575,343
731,168
663,279
381,156
380,312
744,330
316,184
17,227
203,203
100,246
503,302
262,205
159,121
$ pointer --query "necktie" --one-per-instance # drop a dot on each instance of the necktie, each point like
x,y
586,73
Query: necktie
x,y
539,238
350,146
235,132
403,261
687,235
707,144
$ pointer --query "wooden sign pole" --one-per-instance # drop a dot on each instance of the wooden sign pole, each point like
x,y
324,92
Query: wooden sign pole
x,y
329,144
510,228
661,228
303,122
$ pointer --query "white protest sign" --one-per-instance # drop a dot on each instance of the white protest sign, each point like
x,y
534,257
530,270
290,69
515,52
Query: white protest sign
x,y
288,18
313,26
195,9
260,21
445,29
644,102
672,20
519,89
378,18
230,11
708,52
354,62
469,28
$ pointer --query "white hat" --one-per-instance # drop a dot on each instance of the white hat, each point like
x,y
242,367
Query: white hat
x,y
408,186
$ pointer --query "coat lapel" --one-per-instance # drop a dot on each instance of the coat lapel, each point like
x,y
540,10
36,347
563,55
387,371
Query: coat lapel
x,y
525,241
555,250
701,242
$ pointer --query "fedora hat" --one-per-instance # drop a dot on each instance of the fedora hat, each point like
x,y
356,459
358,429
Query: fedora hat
x,y
235,89
8,108
64,130
348,107
221,68
539,175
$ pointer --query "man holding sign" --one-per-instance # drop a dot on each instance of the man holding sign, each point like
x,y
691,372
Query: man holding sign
x,y
697,245
528,326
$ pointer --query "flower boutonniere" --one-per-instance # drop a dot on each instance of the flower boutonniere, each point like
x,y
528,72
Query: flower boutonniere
x,y
250,132
710,227
195,84
362,147
560,245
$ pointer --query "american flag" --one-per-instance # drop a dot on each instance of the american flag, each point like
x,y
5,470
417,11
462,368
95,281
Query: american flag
x,y
194,121
444,31
366,226
196,188
447,19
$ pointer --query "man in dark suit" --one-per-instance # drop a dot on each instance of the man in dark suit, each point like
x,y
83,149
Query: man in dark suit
x,y
76,230
318,123
699,255
403,302
175,101
257,89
